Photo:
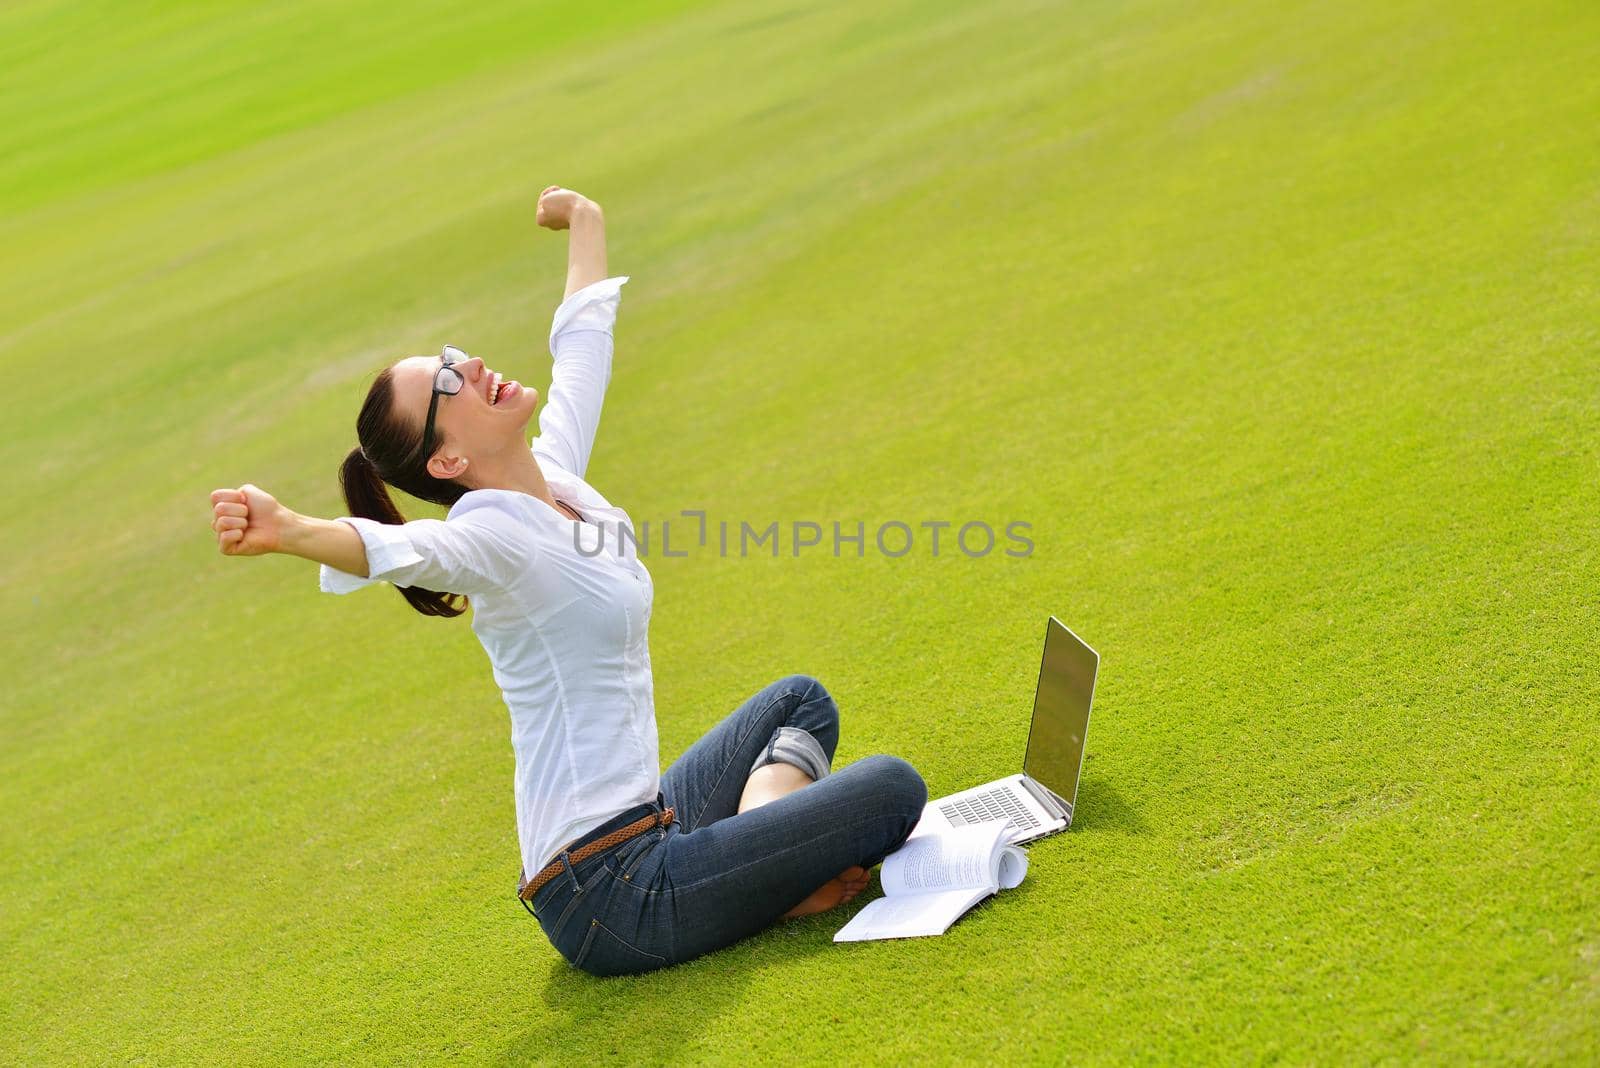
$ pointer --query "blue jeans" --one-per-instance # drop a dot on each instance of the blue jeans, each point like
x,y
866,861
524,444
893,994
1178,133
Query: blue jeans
x,y
716,875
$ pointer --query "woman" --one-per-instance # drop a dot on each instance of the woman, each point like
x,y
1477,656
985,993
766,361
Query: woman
x,y
633,869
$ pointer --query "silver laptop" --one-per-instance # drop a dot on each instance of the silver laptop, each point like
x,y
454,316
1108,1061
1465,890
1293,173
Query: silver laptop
x,y
1039,801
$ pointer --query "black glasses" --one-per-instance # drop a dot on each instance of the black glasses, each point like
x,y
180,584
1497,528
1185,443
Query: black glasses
x,y
447,382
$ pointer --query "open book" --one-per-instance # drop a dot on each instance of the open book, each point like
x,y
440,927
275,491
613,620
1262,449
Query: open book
x,y
932,880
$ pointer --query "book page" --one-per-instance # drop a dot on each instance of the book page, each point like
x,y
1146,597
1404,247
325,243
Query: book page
x,y
909,916
957,858
919,899
1013,866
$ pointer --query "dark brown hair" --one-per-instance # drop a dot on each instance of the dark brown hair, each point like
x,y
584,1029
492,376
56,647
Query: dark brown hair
x,y
390,452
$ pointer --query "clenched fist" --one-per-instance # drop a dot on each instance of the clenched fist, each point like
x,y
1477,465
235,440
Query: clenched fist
x,y
248,521
556,206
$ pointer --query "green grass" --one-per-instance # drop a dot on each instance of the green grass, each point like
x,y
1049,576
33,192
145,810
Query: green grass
x,y
1277,322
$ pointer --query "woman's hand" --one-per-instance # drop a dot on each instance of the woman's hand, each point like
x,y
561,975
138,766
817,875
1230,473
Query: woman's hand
x,y
556,206
249,521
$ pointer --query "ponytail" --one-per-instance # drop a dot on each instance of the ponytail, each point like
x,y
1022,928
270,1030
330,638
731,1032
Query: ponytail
x,y
366,483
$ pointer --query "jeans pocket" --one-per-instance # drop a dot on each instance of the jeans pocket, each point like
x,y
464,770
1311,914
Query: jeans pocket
x,y
604,952
628,865
572,907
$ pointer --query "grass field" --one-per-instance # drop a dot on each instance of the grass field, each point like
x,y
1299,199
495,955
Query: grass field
x,y
1277,322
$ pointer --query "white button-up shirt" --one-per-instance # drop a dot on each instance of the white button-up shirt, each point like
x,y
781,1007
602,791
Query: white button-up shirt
x,y
565,630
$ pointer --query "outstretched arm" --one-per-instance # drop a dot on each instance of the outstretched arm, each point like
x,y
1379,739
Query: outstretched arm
x,y
485,546
249,521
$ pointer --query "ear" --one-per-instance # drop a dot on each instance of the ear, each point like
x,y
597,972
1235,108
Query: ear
x,y
446,467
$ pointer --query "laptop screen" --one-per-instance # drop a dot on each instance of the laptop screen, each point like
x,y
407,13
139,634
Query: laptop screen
x,y
1061,712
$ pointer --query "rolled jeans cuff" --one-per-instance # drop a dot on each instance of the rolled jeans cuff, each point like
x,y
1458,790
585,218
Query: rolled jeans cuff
x,y
791,745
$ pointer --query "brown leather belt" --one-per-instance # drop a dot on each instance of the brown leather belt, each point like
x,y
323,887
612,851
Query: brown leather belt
x,y
599,845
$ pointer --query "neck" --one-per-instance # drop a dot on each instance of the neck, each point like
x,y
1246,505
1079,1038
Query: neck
x,y
515,470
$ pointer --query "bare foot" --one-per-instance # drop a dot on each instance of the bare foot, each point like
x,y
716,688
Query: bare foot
x,y
834,892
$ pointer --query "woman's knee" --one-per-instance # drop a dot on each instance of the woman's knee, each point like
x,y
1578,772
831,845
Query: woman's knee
x,y
899,782
815,711
807,687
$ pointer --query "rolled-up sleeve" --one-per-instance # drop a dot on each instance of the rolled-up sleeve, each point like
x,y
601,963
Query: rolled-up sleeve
x,y
581,342
481,550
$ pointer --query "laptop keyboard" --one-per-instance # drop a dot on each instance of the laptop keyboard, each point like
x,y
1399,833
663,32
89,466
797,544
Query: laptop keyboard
x,y
996,804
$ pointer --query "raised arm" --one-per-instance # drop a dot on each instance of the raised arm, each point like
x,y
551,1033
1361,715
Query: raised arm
x,y
564,209
580,333
586,247
581,342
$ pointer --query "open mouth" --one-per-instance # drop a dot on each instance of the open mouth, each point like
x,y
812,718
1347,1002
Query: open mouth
x,y
501,390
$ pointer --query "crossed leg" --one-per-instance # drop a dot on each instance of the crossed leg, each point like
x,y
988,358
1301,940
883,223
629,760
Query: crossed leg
x,y
708,782
880,799
772,781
